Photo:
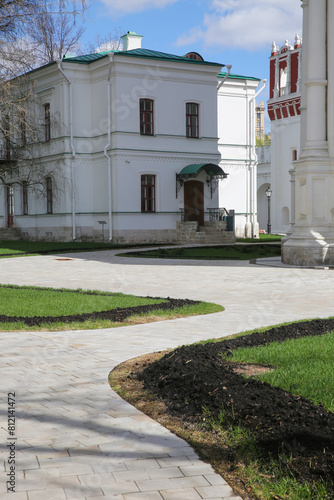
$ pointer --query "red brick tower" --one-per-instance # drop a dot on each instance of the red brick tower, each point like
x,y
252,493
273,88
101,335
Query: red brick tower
x,y
284,96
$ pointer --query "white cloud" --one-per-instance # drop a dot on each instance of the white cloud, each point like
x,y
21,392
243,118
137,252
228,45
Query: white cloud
x,y
247,24
131,6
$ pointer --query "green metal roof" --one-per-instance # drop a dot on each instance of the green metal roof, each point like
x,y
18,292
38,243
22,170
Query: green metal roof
x,y
144,53
194,169
87,59
238,77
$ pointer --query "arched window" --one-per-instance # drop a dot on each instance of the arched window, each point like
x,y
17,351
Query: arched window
x,y
283,80
195,56
285,216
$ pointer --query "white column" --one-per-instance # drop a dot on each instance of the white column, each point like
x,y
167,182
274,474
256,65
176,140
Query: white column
x,y
277,75
303,73
330,76
316,80
288,74
299,62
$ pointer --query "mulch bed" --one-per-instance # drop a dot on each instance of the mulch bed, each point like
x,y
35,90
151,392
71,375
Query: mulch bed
x,y
194,377
116,315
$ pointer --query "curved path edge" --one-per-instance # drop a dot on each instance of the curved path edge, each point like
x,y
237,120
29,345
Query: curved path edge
x,y
74,437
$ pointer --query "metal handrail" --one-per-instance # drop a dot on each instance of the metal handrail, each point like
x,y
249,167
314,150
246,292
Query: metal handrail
x,y
217,214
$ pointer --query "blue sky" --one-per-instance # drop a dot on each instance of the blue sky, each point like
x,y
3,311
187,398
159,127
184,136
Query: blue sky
x,y
237,32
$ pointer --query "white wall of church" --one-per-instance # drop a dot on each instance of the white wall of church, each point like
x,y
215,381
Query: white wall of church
x,y
285,140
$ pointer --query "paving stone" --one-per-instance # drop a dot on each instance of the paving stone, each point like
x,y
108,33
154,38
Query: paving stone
x,y
142,464
50,494
75,470
173,461
180,494
82,491
143,496
215,491
175,483
22,495
195,470
214,479
168,472
109,497
108,467
26,485
96,479
132,475
117,488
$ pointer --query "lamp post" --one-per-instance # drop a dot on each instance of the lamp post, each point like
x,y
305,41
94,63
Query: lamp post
x,y
268,193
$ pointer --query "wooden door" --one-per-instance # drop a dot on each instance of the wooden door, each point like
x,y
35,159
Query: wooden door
x,y
10,206
194,202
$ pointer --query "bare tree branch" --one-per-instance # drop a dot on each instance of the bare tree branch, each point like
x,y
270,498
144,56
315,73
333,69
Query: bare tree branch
x,y
53,36
111,41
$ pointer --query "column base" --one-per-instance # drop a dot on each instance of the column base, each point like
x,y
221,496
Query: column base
x,y
308,250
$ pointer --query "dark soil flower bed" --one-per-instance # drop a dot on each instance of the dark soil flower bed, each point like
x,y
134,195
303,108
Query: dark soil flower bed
x,y
195,377
117,315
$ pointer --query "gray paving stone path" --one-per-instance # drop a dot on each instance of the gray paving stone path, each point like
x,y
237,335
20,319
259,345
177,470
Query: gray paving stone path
x,y
74,437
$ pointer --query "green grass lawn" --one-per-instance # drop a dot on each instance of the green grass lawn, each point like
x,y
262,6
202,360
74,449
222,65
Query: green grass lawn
x,y
29,301
301,366
268,238
219,252
19,248
33,301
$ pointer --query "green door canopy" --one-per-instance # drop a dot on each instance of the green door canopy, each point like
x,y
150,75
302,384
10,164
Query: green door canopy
x,y
193,170
214,172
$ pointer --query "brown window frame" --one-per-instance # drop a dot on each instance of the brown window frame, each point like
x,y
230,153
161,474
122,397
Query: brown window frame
x,y
148,193
23,128
192,120
146,116
7,132
24,198
47,122
294,154
49,196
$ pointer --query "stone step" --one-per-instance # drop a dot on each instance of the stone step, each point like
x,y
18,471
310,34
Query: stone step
x,y
10,233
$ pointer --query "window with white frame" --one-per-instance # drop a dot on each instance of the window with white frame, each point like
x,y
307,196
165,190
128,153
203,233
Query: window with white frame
x,y
146,116
148,193
192,116
47,122
49,196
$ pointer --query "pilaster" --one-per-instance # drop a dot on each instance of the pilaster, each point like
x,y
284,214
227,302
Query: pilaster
x,y
315,80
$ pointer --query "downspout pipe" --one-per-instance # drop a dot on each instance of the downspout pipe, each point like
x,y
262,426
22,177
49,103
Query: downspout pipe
x,y
228,66
111,58
72,148
253,157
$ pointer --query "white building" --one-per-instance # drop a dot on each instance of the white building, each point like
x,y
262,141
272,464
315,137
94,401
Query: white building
x,y
236,132
129,141
276,162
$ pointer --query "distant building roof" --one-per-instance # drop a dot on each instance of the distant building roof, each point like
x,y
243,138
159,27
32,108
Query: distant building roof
x,y
144,53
